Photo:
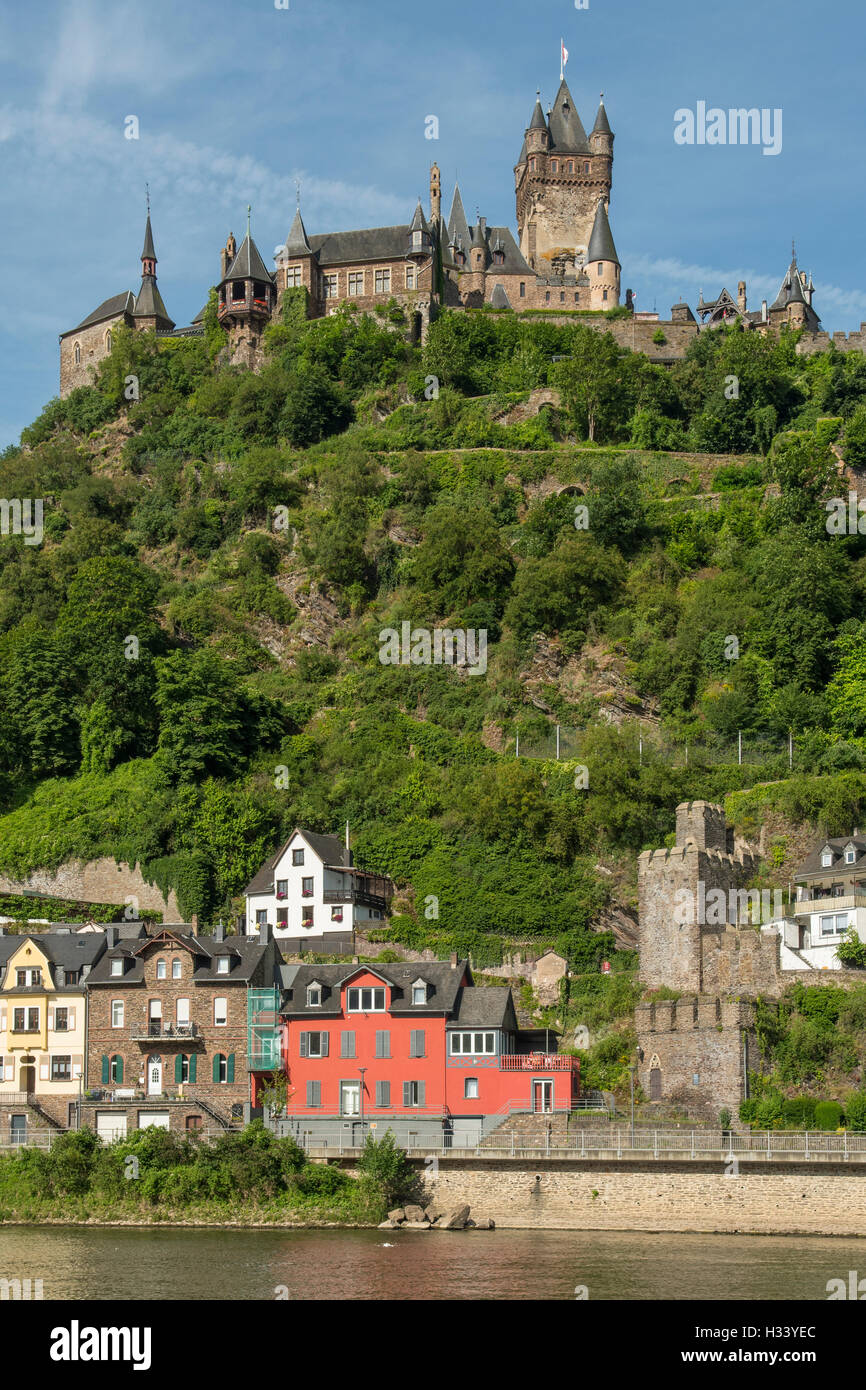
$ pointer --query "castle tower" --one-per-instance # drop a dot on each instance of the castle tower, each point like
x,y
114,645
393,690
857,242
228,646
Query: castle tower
x,y
247,298
149,311
559,178
602,263
741,296
435,195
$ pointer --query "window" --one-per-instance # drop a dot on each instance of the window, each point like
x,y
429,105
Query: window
x,y
419,992
475,1043
571,166
161,969
600,267
547,297
850,855
193,1121
410,277
314,995
586,167
834,924
61,1068
77,354
117,966
604,295
554,166
220,1013
329,287
383,1094
182,1012
306,887
223,964
181,1067
383,1043
297,857
470,1088
417,1039
108,341
282,916
336,914
220,1068
383,282
282,887
532,165
261,917
413,1093
577,298
365,1001
29,977
306,916
61,1020
356,282
117,1013
314,1093
175,969
293,277
239,290
523,289
562,296
26,1021
314,1044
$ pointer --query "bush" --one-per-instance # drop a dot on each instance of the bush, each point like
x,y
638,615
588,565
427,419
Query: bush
x,y
828,1114
855,1112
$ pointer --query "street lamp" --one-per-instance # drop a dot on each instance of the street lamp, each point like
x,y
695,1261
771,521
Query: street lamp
x,y
362,1070
631,1072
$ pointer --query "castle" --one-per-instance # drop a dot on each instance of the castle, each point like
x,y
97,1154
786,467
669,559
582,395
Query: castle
x,y
564,260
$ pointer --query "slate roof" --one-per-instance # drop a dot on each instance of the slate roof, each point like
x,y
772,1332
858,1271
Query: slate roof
x,y
602,124
297,243
499,299
150,302
419,221
443,981
457,224
538,122
373,244
330,849
110,309
791,291
247,953
71,951
601,247
147,252
489,1006
811,865
567,134
248,264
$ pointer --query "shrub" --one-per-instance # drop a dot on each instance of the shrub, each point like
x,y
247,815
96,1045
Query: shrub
x,y
855,1112
828,1114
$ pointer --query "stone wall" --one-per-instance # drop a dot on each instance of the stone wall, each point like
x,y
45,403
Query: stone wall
x,y
92,342
768,1197
703,1038
98,881
741,961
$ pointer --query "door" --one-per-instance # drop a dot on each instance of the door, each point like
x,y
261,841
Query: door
x,y
110,1126
350,1097
542,1097
655,1083
28,1078
154,1076
154,1017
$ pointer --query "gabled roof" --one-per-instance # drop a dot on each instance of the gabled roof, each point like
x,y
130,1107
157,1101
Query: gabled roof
x,y
601,247
442,979
248,264
113,308
247,952
485,1006
296,242
567,134
330,849
812,863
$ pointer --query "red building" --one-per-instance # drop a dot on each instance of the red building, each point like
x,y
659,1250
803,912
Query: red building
x,y
415,1048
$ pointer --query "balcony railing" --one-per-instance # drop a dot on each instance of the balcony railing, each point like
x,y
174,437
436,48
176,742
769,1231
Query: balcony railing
x,y
805,906
165,1032
537,1061
355,895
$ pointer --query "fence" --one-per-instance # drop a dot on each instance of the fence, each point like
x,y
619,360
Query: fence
x,y
564,744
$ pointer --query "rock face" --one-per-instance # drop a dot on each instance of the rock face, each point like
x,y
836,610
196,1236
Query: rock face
x,y
414,1213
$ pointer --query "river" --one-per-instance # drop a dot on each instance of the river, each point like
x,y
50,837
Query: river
x,y
81,1263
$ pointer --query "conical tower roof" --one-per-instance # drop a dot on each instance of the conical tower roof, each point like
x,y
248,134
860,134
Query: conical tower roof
x,y
149,303
566,131
148,253
248,264
601,247
297,243
457,224
419,221
602,124
538,121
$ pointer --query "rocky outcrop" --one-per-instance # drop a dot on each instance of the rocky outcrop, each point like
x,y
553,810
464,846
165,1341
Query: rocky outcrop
x,y
435,1218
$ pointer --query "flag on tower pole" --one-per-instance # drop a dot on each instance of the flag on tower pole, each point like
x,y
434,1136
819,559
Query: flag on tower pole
x,y
563,59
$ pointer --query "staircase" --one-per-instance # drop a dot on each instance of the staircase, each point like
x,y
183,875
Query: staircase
x,y
528,1128
44,1115
214,1114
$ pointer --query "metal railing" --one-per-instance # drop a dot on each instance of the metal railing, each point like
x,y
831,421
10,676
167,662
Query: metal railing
x,y
164,1032
538,1061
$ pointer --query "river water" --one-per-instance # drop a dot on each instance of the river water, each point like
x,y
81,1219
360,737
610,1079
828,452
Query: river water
x,y
91,1263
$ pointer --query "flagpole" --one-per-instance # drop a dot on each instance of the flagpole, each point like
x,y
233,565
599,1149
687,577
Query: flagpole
x,y
561,63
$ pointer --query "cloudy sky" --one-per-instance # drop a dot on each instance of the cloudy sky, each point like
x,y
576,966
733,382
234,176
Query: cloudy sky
x,y
237,103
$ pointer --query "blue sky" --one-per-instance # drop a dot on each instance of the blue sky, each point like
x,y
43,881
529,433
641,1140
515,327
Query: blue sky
x,y
238,101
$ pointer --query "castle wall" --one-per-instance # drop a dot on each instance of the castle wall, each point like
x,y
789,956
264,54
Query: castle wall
x,y
696,1047
93,345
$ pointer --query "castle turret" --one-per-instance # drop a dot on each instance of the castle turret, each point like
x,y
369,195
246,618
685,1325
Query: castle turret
x,y
149,311
602,263
601,135
247,297
741,296
420,240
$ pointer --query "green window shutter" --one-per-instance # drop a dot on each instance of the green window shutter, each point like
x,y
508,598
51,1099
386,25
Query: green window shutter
x,y
178,1067
216,1066
230,1067
192,1060
106,1073
120,1071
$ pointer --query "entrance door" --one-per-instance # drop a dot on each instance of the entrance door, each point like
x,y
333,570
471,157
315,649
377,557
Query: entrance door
x,y
350,1097
542,1097
27,1074
655,1083
154,1076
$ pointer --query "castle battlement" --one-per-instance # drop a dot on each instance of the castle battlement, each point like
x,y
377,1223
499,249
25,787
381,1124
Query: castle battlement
x,y
712,1011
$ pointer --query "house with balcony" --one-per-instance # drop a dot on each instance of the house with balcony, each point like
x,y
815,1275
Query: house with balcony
x,y
831,898
415,1048
168,1030
43,1024
312,892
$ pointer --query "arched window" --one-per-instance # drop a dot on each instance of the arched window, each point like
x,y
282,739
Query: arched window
x,y
176,968
112,1069
76,353
108,341
224,1067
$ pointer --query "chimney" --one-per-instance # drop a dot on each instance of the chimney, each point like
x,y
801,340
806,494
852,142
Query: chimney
x,y
264,933
763,311
193,924
111,936
453,960
219,932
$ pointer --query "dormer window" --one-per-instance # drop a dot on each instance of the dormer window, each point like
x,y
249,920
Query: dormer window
x,y
117,966
223,964
419,992
314,995
826,859
850,854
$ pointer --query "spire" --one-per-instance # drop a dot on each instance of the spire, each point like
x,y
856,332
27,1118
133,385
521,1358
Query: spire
x,y
601,247
296,242
537,122
419,221
602,124
566,131
457,224
248,264
149,303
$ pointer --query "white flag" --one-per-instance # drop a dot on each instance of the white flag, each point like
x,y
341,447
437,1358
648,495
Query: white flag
x,y
564,59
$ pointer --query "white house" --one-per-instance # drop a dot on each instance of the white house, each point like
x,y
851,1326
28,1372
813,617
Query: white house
x,y
311,889
831,898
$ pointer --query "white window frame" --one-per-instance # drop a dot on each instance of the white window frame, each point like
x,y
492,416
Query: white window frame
x,y
463,1043
223,965
176,968
118,1009
220,1007
355,999
161,969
